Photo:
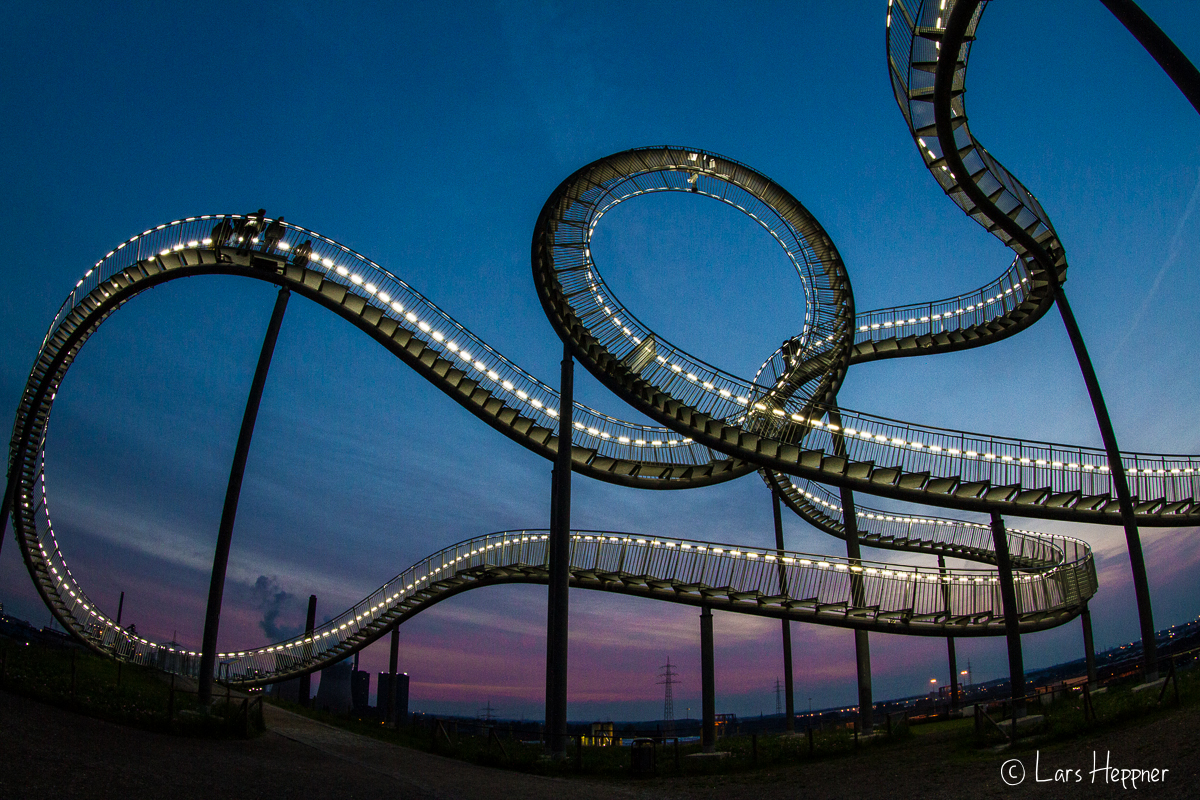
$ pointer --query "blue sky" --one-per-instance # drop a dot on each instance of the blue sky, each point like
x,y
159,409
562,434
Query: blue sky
x,y
428,139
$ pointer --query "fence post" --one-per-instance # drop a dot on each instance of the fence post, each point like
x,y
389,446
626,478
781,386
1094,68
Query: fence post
x,y
73,651
171,701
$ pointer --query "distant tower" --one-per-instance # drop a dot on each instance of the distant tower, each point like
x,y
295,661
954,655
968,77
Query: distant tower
x,y
778,700
488,714
667,679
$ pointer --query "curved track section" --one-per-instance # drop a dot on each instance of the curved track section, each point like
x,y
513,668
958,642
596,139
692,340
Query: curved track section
x,y
780,424
717,426
426,339
797,586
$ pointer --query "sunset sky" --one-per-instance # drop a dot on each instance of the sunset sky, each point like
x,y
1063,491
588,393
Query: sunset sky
x,y
428,138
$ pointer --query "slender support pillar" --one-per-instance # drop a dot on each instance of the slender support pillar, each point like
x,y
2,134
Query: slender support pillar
x,y
1133,541
304,691
708,683
1177,66
789,695
216,588
559,558
952,38
393,665
6,506
862,643
950,654
1008,598
949,639
120,608
1089,645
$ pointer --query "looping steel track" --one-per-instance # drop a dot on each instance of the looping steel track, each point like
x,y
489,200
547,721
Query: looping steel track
x,y
783,423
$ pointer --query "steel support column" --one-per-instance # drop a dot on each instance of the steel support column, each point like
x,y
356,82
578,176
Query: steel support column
x,y
1133,540
708,683
10,491
393,665
1089,645
949,639
862,643
1177,66
1012,621
953,38
304,690
789,696
558,564
216,588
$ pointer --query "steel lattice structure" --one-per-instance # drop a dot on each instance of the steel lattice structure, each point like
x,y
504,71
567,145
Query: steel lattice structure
x,y
783,423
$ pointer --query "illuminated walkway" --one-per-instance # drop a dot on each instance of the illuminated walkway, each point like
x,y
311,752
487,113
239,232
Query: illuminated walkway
x,y
784,422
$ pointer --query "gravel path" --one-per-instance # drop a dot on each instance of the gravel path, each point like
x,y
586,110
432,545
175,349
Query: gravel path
x,y
49,752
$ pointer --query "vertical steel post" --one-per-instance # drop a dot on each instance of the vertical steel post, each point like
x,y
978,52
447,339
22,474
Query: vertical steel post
x,y
1133,540
216,588
789,697
10,491
947,68
559,568
393,665
862,643
304,690
949,639
1008,598
1089,645
1172,60
120,608
708,683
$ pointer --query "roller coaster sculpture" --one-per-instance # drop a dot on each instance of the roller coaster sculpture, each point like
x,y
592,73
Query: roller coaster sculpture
x,y
784,423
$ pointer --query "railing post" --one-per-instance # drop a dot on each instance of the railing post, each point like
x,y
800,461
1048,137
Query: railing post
x,y
216,589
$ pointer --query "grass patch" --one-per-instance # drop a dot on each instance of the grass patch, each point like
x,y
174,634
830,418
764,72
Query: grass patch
x,y
142,697
1068,717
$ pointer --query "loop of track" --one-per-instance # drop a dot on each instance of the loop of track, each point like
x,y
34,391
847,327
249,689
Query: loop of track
x,y
783,422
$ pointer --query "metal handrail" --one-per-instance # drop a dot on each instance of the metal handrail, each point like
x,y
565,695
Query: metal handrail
x,y
817,580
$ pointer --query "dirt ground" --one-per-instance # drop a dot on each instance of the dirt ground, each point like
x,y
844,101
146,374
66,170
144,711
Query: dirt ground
x,y
48,752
